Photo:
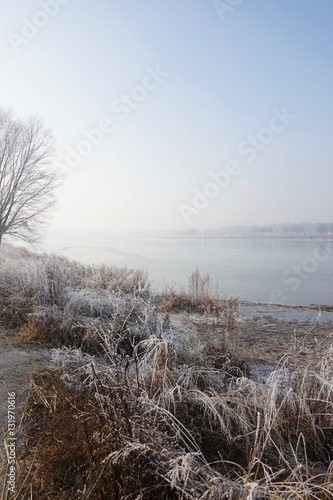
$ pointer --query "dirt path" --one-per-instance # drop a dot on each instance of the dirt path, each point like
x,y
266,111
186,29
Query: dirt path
x,y
17,361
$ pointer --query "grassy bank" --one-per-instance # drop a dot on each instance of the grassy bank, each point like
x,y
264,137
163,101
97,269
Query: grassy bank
x,y
138,405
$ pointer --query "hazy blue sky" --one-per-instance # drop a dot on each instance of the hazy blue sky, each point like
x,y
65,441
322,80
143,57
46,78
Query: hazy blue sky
x,y
212,113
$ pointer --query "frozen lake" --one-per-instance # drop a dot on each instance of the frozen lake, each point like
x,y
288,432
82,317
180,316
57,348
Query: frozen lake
x,y
282,271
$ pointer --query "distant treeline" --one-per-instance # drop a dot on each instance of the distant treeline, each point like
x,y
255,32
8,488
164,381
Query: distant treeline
x,y
283,229
294,228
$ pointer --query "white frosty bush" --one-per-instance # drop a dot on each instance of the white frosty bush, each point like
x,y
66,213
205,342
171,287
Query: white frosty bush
x,y
63,297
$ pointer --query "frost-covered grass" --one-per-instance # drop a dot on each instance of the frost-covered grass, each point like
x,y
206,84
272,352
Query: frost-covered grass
x,y
166,423
50,298
160,411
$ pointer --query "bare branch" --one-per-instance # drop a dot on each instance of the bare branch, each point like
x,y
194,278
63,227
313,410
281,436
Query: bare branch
x,y
27,178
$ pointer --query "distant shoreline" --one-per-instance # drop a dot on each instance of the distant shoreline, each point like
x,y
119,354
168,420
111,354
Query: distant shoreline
x,y
313,237
237,237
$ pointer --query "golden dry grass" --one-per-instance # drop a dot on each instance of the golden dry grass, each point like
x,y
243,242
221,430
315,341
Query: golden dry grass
x,y
161,425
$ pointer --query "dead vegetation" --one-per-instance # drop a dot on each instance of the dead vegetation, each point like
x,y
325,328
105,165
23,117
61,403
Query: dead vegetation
x,y
162,411
200,297
164,423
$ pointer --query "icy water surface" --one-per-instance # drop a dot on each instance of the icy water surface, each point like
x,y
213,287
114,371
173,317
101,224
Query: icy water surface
x,y
261,270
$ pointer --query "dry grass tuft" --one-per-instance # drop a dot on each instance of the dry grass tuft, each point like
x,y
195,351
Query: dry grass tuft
x,y
199,297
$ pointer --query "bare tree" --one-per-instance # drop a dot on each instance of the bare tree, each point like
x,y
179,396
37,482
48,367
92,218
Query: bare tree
x,y
27,179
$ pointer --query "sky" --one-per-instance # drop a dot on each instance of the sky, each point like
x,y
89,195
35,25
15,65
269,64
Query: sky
x,y
171,115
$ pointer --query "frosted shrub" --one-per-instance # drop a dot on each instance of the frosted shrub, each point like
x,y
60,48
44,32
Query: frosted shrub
x,y
91,303
22,285
55,299
122,279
